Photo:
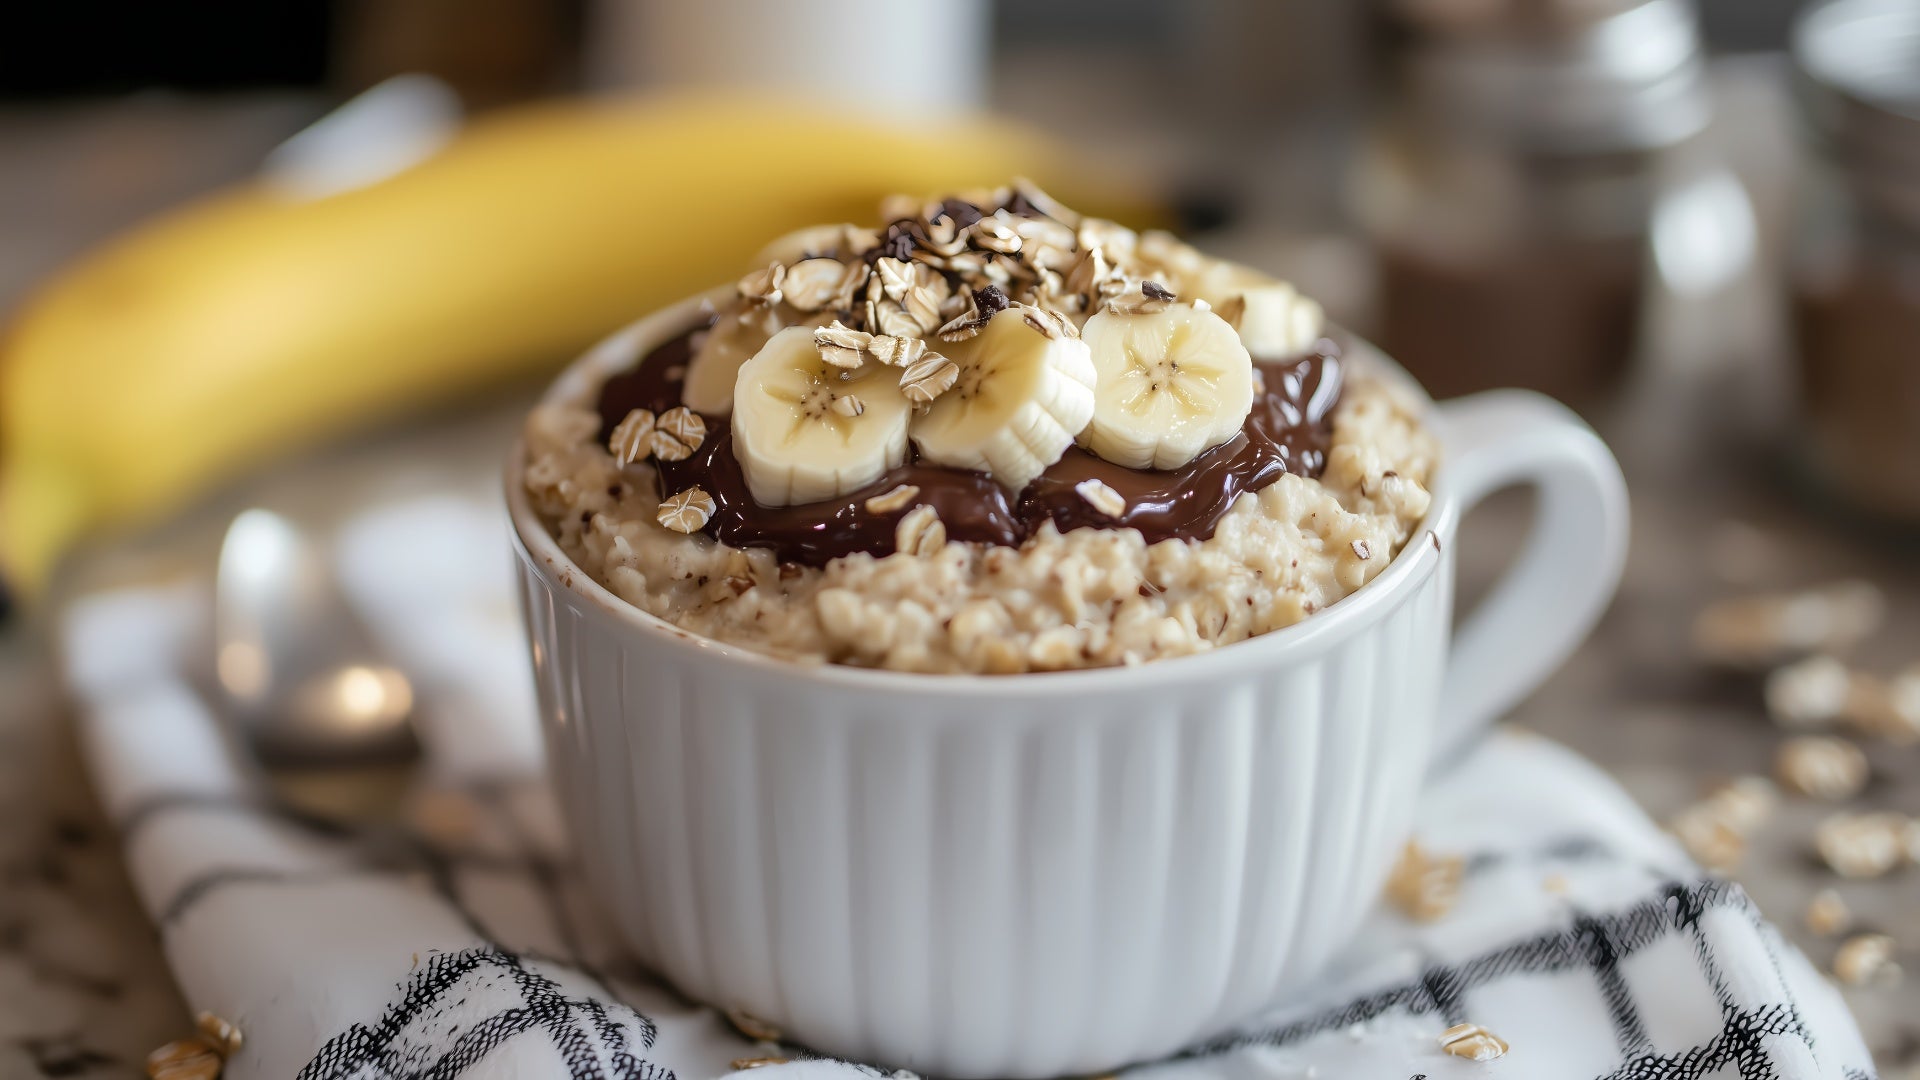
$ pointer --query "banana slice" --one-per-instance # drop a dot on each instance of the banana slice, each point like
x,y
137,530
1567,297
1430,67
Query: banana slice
x,y
805,430
1273,319
1025,389
736,335
1171,384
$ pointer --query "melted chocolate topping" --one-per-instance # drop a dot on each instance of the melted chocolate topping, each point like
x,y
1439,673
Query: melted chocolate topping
x,y
1289,430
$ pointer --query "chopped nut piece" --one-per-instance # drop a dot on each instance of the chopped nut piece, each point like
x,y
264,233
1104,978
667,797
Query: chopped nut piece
x,y
677,434
1810,693
848,405
223,1036
184,1059
1362,550
928,377
921,532
1827,914
763,286
1101,497
1821,766
888,501
742,1064
752,1026
812,284
1866,960
1862,845
1473,1042
1755,631
687,512
1425,887
1153,290
632,438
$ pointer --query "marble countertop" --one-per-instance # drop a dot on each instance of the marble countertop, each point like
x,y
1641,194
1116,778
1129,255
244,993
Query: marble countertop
x,y
84,990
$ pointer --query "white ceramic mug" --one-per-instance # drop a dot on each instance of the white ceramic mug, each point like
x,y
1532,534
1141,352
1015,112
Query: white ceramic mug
x,y
1043,874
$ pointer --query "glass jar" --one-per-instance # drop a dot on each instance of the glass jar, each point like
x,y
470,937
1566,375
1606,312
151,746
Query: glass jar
x,y
1511,190
1856,276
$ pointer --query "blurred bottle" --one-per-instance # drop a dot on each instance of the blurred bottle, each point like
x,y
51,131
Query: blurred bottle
x,y
1856,279
1512,188
492,52
890,56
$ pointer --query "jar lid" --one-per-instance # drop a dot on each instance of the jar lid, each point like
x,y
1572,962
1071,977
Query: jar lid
x,y
1858,79
1628,77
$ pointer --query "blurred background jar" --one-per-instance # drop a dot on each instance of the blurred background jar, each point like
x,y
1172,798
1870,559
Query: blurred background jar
x,y
1529,153
1856,280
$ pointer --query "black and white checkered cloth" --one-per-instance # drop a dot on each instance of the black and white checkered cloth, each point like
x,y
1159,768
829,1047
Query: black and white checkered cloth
x,y
462,946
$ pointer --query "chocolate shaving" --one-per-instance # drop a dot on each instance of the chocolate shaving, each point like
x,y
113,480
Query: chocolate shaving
x,y
899,242
991,301
961,211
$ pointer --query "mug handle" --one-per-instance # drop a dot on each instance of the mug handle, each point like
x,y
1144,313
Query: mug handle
x,y
1575,551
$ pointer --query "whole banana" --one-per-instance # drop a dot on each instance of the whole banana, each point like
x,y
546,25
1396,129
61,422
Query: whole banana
x,y
255,322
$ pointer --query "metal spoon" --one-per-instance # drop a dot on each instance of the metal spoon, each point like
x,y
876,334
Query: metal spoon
x,y
306,689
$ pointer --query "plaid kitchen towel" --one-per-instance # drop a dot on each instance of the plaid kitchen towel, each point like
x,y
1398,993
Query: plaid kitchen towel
x,y
461,945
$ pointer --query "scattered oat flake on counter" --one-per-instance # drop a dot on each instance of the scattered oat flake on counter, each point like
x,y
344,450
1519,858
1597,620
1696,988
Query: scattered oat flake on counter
x,y
752,1026
1760,630
1425,887
1866,960
1715,829
1888,710
1862,845
225,1038
1473,1042
1821,767
1827,914
185,1059
742,1064
1809,693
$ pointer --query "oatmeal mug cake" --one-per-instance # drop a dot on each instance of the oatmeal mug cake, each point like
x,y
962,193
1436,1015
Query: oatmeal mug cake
x,y
991,435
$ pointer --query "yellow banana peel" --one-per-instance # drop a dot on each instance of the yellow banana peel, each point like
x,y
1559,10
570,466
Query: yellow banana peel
x,y
256,321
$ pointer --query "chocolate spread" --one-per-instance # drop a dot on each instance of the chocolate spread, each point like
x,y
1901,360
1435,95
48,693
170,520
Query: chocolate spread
x,y
1289,430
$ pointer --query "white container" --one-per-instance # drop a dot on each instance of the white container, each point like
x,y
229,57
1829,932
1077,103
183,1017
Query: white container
x,y
1043,874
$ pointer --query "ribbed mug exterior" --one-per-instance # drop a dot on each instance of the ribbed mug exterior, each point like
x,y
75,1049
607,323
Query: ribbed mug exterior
x,y
1009,882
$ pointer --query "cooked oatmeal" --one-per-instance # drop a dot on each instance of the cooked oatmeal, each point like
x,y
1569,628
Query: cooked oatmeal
x,y
1090,597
